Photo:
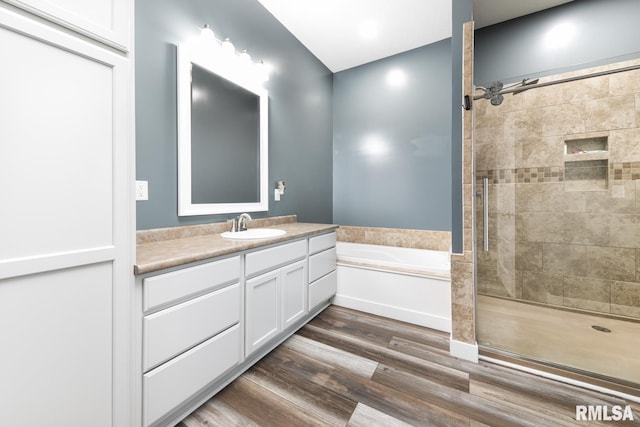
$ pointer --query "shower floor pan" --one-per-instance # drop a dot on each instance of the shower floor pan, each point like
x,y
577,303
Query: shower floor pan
x,y
561,337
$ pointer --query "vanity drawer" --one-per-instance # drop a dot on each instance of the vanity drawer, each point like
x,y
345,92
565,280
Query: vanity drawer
x,y
169,332
322,289
171,384
268,259
322,264
320,243
178,285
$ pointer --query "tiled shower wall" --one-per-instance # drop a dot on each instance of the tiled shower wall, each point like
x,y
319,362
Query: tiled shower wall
x,y
563,163
463,301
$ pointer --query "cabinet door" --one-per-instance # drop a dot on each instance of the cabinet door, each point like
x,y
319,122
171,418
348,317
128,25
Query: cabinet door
x,y
262,310
294,293
104,20
66,173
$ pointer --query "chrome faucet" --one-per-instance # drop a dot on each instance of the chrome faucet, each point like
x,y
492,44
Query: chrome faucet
x,y
240,223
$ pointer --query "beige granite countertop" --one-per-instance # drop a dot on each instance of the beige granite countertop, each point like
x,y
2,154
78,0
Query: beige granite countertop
x,y
184,247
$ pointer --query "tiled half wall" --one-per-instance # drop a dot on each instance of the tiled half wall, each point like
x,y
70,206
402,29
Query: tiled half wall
x,y
563,164
417,239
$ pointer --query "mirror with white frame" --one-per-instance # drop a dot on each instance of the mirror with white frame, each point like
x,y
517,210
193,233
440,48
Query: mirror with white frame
x,y
222,134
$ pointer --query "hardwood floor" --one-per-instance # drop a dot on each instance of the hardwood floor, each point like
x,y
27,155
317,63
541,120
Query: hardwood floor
x,y
347,368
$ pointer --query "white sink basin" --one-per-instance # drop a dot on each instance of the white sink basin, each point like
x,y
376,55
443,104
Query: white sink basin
x,y
254,233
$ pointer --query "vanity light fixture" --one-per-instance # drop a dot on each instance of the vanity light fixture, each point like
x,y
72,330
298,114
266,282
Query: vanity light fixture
x,y
239,61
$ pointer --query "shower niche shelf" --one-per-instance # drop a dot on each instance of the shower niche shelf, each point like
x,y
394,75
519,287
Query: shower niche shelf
x,y
586,164
584,149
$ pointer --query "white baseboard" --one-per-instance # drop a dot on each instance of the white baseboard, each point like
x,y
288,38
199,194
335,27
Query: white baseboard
x,y
405,315
464,351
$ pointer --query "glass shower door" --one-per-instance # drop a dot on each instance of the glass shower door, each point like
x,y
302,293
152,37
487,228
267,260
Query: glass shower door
x,y
558,224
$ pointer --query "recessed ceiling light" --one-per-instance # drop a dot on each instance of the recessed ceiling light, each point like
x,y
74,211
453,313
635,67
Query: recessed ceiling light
x,y
369,29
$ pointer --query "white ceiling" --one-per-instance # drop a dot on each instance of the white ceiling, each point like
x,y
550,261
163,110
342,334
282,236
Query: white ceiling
x,y
347,33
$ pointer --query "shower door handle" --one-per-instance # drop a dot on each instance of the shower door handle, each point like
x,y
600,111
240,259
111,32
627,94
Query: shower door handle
x,y
485,207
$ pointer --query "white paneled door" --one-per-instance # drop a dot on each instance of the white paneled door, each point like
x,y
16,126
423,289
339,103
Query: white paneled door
x,y
66,213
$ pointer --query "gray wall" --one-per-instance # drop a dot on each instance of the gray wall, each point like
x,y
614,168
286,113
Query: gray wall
x,y
300,103
392,145
606,31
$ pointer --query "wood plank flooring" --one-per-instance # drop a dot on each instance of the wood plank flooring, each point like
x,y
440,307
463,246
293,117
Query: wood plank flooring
x,y
347,368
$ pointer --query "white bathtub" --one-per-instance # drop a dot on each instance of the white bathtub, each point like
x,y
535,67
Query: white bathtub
x,y
412,285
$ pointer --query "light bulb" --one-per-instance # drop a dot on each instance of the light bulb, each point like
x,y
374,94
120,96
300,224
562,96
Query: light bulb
x,y
262,71
207,33
245,57
227,47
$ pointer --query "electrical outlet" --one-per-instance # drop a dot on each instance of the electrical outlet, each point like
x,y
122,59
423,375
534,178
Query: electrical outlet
x,y
142,190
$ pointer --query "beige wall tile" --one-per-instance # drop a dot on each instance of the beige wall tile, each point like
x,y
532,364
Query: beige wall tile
x,y
462,288
543,227
467,195
587,294
547,151
467,256
625,310
587,89
586,228
620,198
625,298
529,256
624,83
503,227
548,197
561,259
638,110
626,293
610,113
463,327
541,97
487,116
523,124
467,235
565,119
420,239
485,156
502,198
542,287
625,230
611,263
488,135
624,145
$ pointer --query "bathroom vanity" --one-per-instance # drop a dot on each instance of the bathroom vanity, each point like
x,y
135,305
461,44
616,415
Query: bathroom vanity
x,y
207,308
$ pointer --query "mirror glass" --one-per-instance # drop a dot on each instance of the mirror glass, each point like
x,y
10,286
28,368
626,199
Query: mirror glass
x,y
222,136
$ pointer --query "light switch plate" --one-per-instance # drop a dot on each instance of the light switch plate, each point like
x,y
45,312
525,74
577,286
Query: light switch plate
x,y
142,190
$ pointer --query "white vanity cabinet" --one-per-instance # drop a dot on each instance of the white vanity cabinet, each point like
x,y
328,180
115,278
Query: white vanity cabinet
x,y
322,269
275,299
200,326
191,333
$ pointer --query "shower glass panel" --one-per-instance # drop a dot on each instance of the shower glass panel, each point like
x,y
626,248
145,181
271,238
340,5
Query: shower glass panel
x,y
558,247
